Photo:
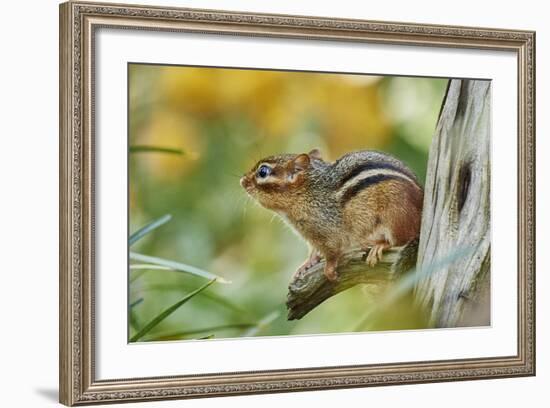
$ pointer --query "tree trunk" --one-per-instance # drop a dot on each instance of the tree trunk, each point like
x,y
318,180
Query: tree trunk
x,y
457,212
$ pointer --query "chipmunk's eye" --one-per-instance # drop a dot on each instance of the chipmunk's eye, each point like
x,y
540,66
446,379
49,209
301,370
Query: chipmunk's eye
x,y
263,171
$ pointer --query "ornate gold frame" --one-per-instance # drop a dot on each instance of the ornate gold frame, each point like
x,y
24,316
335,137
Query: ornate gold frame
x,y
78,22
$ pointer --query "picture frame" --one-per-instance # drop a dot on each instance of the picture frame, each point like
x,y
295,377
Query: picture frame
x,y
79,25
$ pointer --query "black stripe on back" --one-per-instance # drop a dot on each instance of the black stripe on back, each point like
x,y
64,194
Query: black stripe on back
x,y
375,165
367,182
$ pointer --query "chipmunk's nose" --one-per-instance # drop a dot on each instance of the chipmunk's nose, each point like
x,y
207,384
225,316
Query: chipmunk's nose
x,y
243,181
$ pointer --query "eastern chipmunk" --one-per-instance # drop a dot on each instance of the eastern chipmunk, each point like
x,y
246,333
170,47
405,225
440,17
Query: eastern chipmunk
x,y
364,199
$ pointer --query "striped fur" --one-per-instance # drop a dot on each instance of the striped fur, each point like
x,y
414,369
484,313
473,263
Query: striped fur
x,y
376,165
370,174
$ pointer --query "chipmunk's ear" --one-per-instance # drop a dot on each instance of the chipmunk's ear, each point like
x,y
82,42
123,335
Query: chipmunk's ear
x,y
315,154
301,162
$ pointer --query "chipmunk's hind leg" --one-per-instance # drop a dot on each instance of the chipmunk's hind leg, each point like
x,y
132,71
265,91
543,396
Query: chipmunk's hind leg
x,y
376,251
331,267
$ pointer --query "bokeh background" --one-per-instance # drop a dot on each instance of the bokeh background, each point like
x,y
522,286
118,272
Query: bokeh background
x,y
215,124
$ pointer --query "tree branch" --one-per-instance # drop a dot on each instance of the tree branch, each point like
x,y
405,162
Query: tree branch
x,y
308,290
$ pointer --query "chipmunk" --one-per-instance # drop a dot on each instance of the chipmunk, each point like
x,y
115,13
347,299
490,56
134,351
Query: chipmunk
x,y
365,199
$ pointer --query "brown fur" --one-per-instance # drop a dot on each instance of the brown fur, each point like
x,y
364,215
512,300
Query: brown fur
x,y
304,189
375,215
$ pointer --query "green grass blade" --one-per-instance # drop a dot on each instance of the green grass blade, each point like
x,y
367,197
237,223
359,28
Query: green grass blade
x,y
154,149
263,323
212,296
176,266
167,312
135,275
146,267
137,302
227,303
178,334
140,233
134,322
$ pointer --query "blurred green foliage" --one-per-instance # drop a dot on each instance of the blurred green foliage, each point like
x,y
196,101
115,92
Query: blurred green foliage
x,y
213,125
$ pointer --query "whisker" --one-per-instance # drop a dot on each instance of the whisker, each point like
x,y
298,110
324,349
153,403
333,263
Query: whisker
x,y
272,218
245,205
236,199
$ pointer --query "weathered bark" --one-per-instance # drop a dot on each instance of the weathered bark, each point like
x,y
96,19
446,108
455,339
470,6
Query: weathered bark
x,y
455,225
308,290
456,214
311,288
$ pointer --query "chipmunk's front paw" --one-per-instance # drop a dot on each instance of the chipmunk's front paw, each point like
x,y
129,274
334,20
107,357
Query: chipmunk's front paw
x,y
300,272
309,263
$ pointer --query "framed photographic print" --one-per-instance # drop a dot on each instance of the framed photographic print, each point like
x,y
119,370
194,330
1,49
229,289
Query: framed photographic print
x,y
256,203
